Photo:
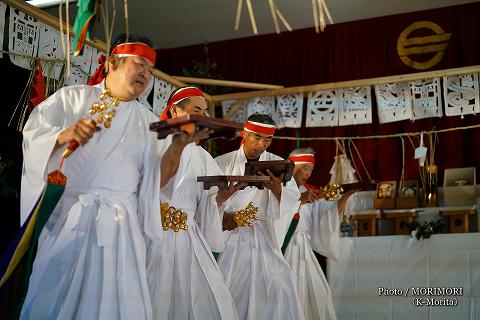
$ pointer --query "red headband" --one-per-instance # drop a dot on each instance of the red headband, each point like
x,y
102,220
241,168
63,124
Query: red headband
x,y
260,128
123,50
257,127
182,93
302,158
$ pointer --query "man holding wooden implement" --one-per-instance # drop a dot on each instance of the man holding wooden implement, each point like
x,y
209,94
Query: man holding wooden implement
x,y
183,277
260,280
91,253
315,227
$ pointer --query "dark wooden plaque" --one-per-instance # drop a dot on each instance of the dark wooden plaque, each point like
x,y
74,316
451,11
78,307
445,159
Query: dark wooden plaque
x,y
223,181
193,122
276,167
360,186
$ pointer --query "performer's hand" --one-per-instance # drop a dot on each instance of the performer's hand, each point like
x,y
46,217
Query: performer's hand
x,y
81,131
228,222
183,138
275,183
224,193
309,196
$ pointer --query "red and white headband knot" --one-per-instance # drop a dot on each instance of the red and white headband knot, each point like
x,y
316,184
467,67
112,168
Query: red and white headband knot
x,y
180,94
127,49
303,158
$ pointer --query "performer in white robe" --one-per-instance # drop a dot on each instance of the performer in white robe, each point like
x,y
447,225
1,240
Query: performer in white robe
x,y
91,260
260,280
184,279
317,229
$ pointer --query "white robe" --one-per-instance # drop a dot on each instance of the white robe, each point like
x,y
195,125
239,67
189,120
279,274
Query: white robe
x,y
91,259
260,280
317,229
184,279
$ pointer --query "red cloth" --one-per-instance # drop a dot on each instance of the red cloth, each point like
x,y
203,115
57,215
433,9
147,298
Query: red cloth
x,y
123,49
38,87
257,127
180,94
303,158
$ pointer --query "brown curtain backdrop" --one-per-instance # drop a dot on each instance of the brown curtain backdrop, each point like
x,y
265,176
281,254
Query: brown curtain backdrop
x,y
348,51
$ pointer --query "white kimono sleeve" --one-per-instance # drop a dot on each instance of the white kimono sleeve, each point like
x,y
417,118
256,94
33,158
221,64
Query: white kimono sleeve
x,y
40,134
149,191
325,229
289,205
208,215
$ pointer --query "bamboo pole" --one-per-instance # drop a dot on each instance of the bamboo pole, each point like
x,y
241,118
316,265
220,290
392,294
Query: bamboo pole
x,y
348,84
227,83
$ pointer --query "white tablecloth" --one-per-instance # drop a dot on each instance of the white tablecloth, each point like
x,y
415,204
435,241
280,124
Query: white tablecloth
x,y
369,263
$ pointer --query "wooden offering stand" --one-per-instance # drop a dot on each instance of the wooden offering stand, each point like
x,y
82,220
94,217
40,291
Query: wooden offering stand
x,y
194,122
223,181
458,220
276,167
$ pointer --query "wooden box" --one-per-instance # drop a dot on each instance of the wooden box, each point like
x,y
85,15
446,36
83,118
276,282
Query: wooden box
x,y
401,218
367,224
385,196
276,167
458,220
407,195
460,186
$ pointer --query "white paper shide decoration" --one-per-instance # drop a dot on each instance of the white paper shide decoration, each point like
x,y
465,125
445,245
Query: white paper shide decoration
x,y
94,64
322,109
23,37
356,107
262,105
80,69
3,8
426,98
289,110
342,171
461,94
393,102
50,47
240,115
162,91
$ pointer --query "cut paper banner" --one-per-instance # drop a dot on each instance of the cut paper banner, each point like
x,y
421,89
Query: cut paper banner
x,y
23,38
322,109
393,102
461,94
290,110
356,107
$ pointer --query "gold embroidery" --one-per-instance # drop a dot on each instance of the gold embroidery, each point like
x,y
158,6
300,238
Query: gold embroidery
x,y
243,217
172,218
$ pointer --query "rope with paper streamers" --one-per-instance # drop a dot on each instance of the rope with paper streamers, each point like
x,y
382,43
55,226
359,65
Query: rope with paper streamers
x,y
46,60
382,136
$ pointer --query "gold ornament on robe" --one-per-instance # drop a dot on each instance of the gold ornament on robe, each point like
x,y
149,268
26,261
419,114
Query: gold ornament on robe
x,y
330,191
172,218
243,217
103,109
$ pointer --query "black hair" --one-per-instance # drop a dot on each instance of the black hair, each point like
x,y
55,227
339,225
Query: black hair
x,y
262,118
